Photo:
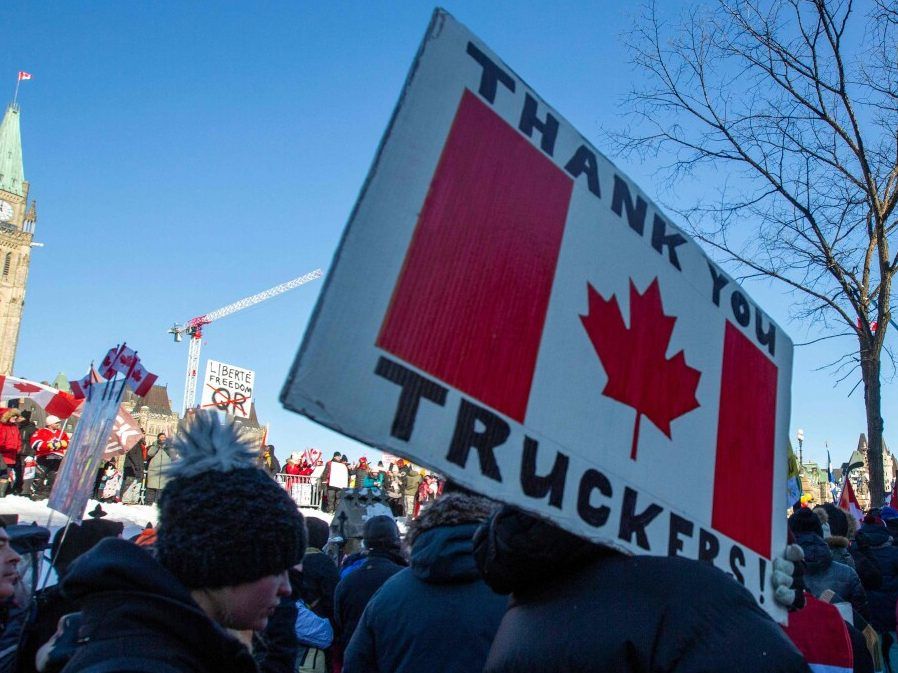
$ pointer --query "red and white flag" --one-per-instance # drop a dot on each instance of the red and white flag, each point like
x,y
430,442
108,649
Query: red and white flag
x,y
107,365
140,379
849,503
24,75
55,402
540,331
81,387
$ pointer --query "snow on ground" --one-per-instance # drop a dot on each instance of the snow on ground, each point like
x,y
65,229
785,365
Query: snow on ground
x,y
134,517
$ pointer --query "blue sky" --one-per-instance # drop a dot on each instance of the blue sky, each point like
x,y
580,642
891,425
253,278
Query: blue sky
x,y
184,155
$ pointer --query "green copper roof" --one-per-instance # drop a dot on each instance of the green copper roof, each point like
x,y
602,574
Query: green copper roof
x,y
12,173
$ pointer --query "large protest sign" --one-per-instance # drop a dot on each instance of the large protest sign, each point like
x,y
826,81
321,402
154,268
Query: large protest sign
x,y
228,388
510,309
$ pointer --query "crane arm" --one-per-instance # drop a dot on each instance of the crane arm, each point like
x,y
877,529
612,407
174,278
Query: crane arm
x,y
246,302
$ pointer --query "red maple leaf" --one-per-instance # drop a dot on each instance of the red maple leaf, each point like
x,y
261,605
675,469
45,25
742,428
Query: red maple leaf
x,y
27,388
635,359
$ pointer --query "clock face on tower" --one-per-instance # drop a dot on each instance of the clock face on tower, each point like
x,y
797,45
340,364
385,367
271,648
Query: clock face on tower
x,y
5,211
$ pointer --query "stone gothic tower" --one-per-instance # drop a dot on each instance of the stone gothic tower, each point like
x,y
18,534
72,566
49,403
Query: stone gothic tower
x,y
17,222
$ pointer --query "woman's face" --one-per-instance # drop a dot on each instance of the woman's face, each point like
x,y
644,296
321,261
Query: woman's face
x,y
249,605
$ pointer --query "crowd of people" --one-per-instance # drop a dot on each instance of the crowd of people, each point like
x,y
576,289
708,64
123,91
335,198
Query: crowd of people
x,y
234,578
407,488
31,455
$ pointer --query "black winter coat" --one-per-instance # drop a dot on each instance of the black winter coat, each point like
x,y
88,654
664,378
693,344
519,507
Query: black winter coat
x,y
874,543
577,606
319,582
356,589
138,618
134,466
439,611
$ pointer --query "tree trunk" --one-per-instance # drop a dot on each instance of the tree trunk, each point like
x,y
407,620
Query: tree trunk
x,y
873,403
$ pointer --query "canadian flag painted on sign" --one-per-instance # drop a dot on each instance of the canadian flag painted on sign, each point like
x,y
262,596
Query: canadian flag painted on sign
x,y
483,305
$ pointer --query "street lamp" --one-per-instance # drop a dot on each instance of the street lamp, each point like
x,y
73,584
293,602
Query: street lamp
x,y
800,437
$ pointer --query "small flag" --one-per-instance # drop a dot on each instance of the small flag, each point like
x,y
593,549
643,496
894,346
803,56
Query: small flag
x,y
107,366
124,359
848,502
81,386
141,380
24,75
893,501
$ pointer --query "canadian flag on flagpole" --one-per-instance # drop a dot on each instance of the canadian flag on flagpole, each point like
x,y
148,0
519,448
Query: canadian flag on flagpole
x,y
141,380
24,75
848,502
81,386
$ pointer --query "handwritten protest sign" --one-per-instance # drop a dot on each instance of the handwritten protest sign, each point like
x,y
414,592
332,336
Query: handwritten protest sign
x,y
228,389
509,308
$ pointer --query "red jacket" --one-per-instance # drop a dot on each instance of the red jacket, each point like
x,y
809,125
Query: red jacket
x,y
10,441
42,442
292,468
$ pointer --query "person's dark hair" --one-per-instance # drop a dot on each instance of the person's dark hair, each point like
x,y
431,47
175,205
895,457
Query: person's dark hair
x,y
319,532
161,434
838,520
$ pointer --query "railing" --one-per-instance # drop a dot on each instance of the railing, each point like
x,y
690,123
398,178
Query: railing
x,y
305,491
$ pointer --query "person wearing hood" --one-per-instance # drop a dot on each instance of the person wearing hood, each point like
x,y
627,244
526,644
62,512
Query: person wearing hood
x,y
443,589
581,606
10,446
821,572
383,560
216,568
159,457
838,539
873,547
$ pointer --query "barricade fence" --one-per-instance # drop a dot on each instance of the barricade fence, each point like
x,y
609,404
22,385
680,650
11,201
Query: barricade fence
x,y
305,491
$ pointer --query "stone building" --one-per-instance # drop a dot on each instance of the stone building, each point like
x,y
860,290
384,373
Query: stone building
x,y
153,412
17,222
860,478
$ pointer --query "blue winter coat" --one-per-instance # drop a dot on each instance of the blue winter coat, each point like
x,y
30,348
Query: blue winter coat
x,y
822,573
407,625
874,542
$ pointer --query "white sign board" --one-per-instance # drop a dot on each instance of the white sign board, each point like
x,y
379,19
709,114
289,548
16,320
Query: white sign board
x,y
508,308
228,388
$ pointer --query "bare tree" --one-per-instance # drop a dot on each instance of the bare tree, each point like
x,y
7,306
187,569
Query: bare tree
x,y
796,102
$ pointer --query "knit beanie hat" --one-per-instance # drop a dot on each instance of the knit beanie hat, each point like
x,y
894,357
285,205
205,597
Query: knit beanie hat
x,y
805,521
222,520
381,533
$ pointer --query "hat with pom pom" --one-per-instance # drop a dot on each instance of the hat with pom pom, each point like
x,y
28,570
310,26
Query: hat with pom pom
x,y
222,520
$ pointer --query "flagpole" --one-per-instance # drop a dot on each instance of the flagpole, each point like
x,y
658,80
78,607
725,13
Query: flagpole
x,y
16,95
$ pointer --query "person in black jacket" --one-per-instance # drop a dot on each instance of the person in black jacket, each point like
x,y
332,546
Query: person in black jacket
x,y
581,606
873,549
216,568
135,465
439,610
26,429
383,560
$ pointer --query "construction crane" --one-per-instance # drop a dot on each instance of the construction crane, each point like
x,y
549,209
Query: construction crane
x,y
194,328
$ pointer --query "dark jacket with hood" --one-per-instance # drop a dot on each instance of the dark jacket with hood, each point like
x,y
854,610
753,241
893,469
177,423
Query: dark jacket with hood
x,y
439,610
138,618
873,543
578,606
822,573
356,589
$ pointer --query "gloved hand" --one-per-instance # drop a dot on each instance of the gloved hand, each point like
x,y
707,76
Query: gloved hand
x,y
788,578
